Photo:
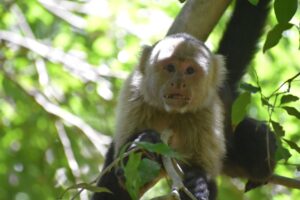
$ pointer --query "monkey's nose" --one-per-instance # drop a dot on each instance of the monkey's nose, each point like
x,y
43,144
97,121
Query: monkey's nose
x,y
178,85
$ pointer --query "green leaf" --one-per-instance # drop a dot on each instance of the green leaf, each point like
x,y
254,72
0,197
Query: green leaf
x,y
292,111
288,98
86,186
265,102
278,129
133,182
282,153
239,108
293,145
148,170
159,148
138,172
89,187
275,35
254,2
249,88
285,10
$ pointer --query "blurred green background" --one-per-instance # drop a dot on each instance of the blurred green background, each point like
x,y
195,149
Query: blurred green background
x,y
62,64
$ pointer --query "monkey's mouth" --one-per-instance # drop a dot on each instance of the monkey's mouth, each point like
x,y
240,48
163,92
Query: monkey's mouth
x,y
175,101
176,96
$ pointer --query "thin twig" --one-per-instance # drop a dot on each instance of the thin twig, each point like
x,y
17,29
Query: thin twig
x,y
40,64
285,82
66,143
58,10
98,139
71,63
285,181
172,172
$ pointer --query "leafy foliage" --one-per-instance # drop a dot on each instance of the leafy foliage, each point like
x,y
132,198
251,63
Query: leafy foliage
x,y
159,148
62,64
275,35
138,172
284,12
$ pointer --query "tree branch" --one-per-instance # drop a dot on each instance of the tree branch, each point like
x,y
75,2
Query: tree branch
x,y
98,139
284,181
73,64
199,17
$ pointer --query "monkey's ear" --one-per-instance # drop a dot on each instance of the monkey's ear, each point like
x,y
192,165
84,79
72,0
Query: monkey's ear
x,y
219,70
145,56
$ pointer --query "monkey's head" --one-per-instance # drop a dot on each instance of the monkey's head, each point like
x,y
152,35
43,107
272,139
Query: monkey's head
x,y
180,74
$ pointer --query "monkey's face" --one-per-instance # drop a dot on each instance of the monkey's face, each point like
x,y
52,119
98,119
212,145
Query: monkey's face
x,y
180,80
178,76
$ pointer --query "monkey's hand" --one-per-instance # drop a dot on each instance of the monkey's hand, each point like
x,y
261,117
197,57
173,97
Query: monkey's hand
x,y
196,182
149,136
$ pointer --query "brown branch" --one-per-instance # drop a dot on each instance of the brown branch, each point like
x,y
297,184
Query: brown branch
x,y
285,181
199,17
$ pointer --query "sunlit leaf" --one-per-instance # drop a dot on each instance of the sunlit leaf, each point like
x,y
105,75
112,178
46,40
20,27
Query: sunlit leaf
x,y
292,111
285,10
278,129
88,187
293,145
138,172
274,35
288,98
239,108
159,148
131,168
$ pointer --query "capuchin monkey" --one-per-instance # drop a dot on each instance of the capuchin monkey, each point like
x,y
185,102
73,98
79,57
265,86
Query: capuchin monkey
x,y
180,85
175,87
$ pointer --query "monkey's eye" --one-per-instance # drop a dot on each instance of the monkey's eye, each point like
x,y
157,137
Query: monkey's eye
x,y
170,67
190,71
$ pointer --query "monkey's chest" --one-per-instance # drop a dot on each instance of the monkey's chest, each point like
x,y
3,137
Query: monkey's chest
x,y
184,130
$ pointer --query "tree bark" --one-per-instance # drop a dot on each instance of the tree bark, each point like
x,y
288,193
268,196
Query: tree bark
x,y
199,17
